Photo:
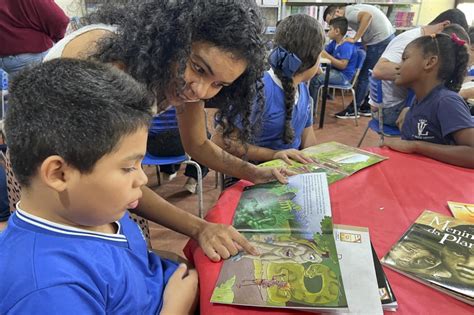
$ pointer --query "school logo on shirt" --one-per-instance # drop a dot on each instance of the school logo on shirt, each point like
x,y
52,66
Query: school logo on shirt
x,y
422,124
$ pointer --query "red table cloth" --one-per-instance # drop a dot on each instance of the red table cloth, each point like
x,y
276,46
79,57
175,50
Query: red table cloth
x,y
386,198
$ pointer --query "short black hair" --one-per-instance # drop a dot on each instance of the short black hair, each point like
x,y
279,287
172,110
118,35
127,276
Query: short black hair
x,y
454,16
76,109
471,34
331,9
340,23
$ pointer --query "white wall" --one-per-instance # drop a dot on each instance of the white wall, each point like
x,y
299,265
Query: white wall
x,y
72,7
432,8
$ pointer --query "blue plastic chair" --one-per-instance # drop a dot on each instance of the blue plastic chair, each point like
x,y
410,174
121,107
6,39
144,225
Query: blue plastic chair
x,y
350,86
376,100
167,121
4,92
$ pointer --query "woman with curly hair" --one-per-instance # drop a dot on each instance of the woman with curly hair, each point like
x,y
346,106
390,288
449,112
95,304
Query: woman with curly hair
x,y
187,53
287,124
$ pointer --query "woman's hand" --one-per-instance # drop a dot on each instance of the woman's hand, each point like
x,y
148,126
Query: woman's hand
x,y
400,145
266,174
292,154
181,292
219,241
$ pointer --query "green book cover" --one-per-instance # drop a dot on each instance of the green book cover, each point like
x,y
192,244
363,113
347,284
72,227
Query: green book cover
x,y
437,250
291,226
335,159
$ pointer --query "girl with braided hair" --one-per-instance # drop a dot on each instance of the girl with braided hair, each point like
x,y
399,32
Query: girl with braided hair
x,y
286,124
438,124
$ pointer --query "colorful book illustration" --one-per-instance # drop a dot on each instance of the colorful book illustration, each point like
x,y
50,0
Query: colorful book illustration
x,y
437,250
298,265
335,159
462,211
355,259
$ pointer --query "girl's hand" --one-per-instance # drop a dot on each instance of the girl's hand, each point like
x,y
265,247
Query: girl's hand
x,y
219,241
265,174
181,292
292,154
400,145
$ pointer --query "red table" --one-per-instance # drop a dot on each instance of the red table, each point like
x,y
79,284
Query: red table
x,y
386,198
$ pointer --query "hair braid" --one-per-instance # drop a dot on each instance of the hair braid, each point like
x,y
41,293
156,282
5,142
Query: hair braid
x,y
289,90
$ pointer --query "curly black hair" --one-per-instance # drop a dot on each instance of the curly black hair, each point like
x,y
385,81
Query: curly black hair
x,y
154,39
303,36
453,57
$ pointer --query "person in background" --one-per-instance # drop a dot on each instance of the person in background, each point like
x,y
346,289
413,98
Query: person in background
x,y
343,56
287,124
28,29
438,124
386,69
375,31
70,246
467,89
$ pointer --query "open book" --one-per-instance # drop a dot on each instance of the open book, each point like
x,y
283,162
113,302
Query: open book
x,y
298,267
335,159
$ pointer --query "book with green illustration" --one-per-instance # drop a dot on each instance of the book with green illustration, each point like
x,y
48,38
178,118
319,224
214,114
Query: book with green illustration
x,y
298,267
335,159
438,251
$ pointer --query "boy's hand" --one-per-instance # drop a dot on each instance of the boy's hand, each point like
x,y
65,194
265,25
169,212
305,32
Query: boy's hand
x,y
222,241
292,154
181,292
400,145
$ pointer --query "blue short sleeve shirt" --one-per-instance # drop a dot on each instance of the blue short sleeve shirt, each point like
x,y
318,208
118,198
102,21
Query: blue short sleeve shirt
x,y
436,117
345,51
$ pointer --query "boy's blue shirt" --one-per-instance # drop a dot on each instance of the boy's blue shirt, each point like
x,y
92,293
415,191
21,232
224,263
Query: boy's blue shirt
x,y
436,117
56,269
272,122
345,51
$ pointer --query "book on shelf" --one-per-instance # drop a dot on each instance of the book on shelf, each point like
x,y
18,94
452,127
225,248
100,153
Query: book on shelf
x,y
335,159
298,266
437,250
462,211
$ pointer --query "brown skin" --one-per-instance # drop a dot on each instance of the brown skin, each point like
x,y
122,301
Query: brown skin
x,y
217,240
422,81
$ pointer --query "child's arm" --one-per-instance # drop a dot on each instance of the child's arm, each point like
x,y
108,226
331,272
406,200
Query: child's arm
x,y
308,138
461,154
256,153
364,18
339,64
181,292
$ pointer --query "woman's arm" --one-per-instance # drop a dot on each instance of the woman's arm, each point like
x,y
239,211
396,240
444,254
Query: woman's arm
x,y
216,240
461,154
191,122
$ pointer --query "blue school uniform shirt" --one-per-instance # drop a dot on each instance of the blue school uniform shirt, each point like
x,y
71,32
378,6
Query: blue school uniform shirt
x,y
50,268
345,51
272,122
436,117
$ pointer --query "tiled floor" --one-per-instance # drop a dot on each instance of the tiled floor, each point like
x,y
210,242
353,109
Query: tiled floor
x,y
343,131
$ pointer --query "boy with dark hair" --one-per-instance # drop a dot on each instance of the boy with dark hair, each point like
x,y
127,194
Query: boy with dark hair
x,y
375,31
77,133
343,56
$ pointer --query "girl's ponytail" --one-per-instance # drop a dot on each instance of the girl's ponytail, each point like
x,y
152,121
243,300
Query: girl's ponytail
x,y
461,59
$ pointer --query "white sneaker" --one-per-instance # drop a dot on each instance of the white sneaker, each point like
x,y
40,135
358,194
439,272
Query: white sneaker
x,y
191,185
168,177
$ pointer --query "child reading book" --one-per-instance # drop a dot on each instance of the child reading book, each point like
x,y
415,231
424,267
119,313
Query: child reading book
x,y
343,57
286,122
77,132
439,124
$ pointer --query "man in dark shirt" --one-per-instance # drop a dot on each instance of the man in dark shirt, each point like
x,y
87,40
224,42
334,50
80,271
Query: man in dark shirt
x,y
28,28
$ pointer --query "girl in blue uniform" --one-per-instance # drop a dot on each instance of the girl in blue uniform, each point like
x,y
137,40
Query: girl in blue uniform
x,y
438,124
